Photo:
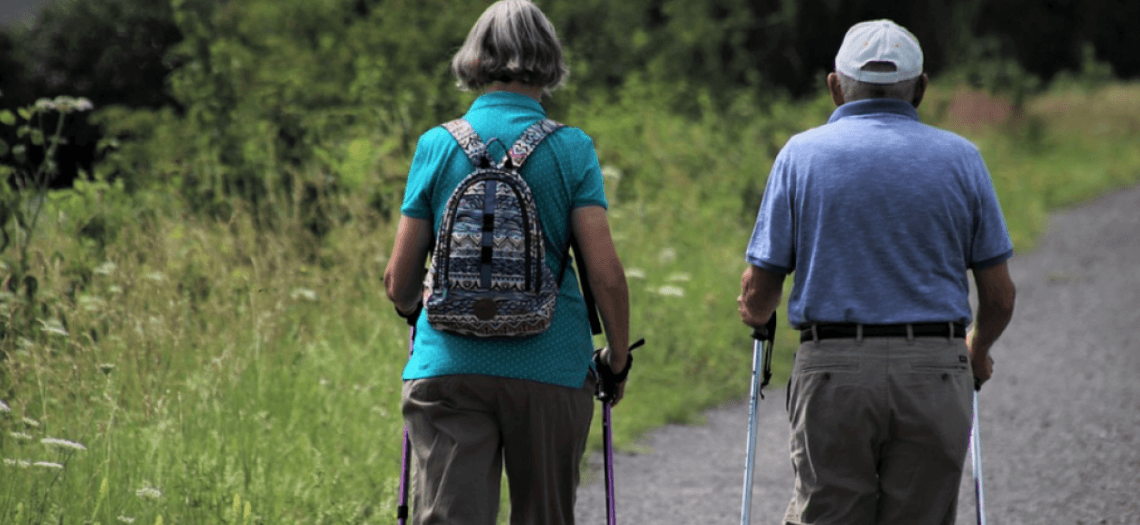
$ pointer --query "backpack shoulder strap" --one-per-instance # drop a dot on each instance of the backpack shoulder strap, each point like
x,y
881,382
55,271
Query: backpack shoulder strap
x,y
529,140
468,139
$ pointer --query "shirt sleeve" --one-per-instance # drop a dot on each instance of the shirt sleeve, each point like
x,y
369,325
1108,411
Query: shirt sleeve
x,y
772,246
590,190
990,242
427,161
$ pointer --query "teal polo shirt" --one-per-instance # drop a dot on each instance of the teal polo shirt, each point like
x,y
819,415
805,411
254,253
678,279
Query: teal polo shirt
x,y
563,173
879,216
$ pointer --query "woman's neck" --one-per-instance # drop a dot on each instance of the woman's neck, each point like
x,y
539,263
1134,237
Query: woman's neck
x,y
515,86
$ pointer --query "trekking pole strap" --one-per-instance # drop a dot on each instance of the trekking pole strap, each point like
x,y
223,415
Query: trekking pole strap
x,y
584,281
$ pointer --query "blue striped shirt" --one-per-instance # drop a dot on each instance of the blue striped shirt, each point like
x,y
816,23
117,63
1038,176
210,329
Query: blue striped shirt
x,y
879,216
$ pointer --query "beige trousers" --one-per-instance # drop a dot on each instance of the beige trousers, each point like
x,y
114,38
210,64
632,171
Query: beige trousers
x,y
466,428
880,430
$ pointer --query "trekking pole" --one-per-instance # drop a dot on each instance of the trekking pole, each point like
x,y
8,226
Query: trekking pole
x,y
608,453
606,398
760,337
976,456
406,449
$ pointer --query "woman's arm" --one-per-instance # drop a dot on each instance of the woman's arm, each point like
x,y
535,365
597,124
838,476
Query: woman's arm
x,y
607,279
404,277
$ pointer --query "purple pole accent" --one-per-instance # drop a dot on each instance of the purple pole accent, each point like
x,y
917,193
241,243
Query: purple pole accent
x,y
405,455
608,444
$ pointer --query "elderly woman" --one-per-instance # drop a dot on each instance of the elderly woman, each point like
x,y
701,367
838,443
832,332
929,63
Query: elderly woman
x,y
474,405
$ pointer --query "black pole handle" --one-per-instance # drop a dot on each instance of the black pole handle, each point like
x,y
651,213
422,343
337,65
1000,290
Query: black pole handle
x,y
767,335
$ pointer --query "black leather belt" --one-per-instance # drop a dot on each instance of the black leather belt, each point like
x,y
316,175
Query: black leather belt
x,y
850,330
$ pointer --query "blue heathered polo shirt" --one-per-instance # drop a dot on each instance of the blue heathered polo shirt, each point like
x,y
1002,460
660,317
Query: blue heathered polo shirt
x,y
879,216
563,173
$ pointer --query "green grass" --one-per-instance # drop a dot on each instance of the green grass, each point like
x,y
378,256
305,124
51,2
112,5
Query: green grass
x,y
220,373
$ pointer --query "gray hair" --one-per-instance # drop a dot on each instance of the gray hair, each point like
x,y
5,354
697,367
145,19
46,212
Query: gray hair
x,y
857,90
511,41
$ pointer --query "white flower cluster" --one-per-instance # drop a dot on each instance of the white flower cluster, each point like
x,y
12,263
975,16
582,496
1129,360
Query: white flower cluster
x,y
106,268
303,293
23,463
63,443
54,327
148,493
17,463
64,104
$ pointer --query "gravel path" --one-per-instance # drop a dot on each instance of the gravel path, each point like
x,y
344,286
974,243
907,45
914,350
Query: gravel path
x,y
1060,420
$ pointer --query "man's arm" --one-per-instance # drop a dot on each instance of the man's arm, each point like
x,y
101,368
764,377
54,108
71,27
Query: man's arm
x,y
996,296
760,292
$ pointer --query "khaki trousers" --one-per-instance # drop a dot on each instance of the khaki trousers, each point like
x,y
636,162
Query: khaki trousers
x,y
465,429
880,430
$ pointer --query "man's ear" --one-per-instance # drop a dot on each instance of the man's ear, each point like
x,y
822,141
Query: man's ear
x,y
835,90
920,90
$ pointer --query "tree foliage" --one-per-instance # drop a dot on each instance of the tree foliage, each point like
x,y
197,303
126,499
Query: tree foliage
x,y
284,100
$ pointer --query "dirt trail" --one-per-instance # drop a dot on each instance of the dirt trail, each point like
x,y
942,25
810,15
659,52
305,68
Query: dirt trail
x,y
1060,421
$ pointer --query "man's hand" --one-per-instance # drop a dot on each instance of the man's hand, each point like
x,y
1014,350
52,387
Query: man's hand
x,y
983,365
996,296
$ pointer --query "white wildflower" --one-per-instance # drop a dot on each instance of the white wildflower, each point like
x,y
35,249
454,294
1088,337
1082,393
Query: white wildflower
x,y
634,273
156,276
47,464
54,327
611,172
4,406
679,277
45,104
668,255
63,443
20,436
31,422
106,368
125,519
148,493
92,303
671,291
303,293
17,463
83,104
115,289
107,268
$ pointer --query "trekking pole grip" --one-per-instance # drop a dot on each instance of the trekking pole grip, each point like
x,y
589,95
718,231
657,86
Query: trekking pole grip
x,y
609,379
766,332
766,335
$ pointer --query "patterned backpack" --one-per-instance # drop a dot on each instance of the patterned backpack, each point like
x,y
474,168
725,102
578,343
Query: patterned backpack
x,y
488,274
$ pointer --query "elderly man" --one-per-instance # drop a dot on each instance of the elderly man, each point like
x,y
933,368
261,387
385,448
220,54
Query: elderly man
x,y
879,217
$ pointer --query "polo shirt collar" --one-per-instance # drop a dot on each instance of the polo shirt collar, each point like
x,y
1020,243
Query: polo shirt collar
x,y
874,106
500,99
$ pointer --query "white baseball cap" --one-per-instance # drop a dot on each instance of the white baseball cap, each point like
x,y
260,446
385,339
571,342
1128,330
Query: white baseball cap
x,y
879,41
